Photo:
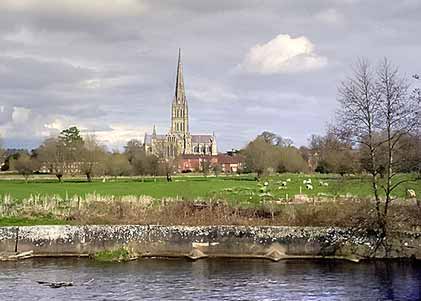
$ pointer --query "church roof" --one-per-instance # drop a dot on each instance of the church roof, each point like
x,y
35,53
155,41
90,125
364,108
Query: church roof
x,y
148,138
201,138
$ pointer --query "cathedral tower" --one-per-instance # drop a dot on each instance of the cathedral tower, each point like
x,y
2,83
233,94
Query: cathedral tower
x,y
180,111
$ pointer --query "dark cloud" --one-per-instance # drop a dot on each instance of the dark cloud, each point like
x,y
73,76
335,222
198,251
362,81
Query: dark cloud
x,y
110,68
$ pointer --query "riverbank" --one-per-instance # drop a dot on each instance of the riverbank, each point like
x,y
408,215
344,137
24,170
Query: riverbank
x,y
274,243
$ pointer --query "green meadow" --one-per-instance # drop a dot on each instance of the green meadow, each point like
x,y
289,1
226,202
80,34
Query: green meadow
x,y
232,188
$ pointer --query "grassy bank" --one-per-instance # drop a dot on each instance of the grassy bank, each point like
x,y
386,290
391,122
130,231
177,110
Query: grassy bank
x,y
196,200
300,211
234,188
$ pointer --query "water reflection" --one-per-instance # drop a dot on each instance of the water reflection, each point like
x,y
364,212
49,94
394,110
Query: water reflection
x,y
216,279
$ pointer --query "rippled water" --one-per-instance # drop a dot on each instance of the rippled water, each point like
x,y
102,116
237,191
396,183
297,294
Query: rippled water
x,y
228,279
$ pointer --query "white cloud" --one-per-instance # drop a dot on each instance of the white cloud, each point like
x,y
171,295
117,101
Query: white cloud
x,y
283,54
118,135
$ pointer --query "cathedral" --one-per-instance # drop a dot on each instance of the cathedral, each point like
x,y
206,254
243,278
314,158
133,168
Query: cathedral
x,y
178,141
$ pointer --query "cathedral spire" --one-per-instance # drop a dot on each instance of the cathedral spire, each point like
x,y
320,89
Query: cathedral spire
x,y
179,85
180,110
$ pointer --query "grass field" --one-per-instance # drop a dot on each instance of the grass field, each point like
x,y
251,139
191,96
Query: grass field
x,y
233,188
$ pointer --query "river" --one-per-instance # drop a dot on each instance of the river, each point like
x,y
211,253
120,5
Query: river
x,y
212,279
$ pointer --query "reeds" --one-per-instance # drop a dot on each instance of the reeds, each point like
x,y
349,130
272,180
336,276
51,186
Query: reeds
x,y
108,209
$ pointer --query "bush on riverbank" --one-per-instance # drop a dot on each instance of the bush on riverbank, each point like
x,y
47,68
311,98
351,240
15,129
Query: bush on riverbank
x,y
119,255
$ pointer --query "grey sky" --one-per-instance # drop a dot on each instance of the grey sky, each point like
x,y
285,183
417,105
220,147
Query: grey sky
x,y
108,66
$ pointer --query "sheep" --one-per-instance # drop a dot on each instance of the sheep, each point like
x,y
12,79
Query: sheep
x,y
308,181
288,180
309,186
283,183
321,183
410,193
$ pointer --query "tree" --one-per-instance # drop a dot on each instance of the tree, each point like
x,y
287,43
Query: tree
x,y
358,118
71,137
206,166
409,154
132,149
73,144
117,165
92,158
276,140
217,169
52,153
377,111
25,165
259,156
400,115
332,155
167,168
2,153
289,159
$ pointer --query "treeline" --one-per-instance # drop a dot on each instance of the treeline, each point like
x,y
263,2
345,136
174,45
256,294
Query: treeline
x,y
269,153
71,154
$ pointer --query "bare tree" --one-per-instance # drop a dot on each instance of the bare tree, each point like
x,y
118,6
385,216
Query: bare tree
x,y
117,165
92,158
400,115
52,153
377,111
358,117
25,165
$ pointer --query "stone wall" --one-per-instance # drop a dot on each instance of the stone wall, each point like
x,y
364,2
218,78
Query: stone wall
x,y
273,243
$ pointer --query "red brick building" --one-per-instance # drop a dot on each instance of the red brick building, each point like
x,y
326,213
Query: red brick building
x,y
194,163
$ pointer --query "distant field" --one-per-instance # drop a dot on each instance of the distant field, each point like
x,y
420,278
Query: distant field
x,y
234,188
